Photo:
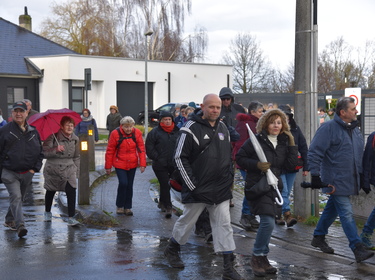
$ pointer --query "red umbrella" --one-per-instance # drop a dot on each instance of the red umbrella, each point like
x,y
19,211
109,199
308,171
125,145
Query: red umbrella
x,y
48,122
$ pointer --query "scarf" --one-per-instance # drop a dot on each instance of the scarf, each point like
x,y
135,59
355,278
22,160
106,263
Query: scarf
x,y
167,129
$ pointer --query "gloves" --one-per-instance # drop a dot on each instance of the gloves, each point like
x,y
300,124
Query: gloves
x,y
366,190
291,138
316,182
263,166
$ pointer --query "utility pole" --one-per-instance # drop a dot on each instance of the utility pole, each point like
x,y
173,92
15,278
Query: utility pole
x,y
306,202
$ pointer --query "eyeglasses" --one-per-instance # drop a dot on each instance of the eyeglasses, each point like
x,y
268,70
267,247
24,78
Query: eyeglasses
x,y
226,98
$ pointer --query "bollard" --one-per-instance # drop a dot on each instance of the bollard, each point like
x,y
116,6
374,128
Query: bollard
x,y
84,182
91,139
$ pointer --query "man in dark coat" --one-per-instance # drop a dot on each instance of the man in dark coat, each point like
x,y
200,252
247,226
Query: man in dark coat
x,y
229,109
21,156
203,157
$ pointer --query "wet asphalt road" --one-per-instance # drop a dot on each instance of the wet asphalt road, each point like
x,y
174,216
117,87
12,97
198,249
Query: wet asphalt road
x,y
134,249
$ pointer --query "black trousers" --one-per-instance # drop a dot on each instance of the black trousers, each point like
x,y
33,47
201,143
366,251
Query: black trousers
x,y
163,174
71,196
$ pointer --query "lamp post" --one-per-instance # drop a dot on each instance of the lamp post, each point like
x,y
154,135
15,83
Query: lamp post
x,y
147,34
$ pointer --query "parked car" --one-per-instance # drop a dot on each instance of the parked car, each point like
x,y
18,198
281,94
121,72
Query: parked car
x,y
153,115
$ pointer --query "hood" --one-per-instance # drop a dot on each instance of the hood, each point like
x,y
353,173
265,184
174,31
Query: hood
x,y
262,121
226,92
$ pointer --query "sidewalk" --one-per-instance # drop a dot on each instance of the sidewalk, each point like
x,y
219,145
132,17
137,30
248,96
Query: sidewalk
x,y
295,240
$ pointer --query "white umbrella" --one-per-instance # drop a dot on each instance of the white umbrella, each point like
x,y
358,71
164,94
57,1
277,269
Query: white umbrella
x,y
271,178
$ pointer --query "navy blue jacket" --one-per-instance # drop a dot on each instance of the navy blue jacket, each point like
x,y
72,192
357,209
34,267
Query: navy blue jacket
x,y
369,163
336,155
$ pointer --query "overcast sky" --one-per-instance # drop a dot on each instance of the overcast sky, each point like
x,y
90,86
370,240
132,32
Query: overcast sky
x,y
271,21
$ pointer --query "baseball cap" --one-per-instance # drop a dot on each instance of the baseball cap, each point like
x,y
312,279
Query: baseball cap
x,y
20,105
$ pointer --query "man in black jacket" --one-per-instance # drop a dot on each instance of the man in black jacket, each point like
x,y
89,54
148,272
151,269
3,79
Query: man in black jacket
x,y
21,156
203,158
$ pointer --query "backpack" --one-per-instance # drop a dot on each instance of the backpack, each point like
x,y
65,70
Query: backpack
x,y
122,138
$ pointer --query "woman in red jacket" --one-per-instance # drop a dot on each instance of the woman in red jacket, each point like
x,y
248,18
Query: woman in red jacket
x,y
125,152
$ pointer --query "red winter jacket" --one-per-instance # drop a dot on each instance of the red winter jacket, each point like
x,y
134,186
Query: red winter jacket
x,y
242,120
128,156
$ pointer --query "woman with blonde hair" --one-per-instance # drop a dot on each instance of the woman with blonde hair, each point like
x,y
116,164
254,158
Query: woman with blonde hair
x,y
277,142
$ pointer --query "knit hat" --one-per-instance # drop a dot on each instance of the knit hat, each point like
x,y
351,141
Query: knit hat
x,y
113,107
165,114
192,104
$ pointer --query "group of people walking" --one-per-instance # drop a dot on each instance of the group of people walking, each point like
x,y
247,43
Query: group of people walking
x,y
203,151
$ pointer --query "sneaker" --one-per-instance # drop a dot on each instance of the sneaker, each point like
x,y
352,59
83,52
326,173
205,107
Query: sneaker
x,y
11,225
22,231
128,212
361,253
73,222
47,216
320,242
120,211
366,240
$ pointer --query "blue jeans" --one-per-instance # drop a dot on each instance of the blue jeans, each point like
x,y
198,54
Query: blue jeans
x,y
370,224
245,204
266,226
125,188
339,205
288,182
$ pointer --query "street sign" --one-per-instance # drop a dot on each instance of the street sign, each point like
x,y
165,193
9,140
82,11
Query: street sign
x,y
356,94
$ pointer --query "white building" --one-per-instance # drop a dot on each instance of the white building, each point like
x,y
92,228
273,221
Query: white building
x,y
121,82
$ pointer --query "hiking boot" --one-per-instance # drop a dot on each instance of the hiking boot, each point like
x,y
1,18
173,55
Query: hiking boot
x,y
208,238
47,216
256,264
171,252
229,272
72,222
249,222
253,221
268,268
21,231
199,232
161,207
120,210
168,213
290,221
11,225
128,212
280,222
366,240
361,253
320,242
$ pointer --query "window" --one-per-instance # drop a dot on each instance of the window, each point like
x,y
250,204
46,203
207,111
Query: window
x,y
14,94
77,99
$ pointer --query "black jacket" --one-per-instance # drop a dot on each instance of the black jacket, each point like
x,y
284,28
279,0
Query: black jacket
x,y
300,141
20,150
160,146
207,173
283,157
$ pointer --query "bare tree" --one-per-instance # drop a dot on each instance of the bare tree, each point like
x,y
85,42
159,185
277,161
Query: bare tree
x,y
117,27
251,68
